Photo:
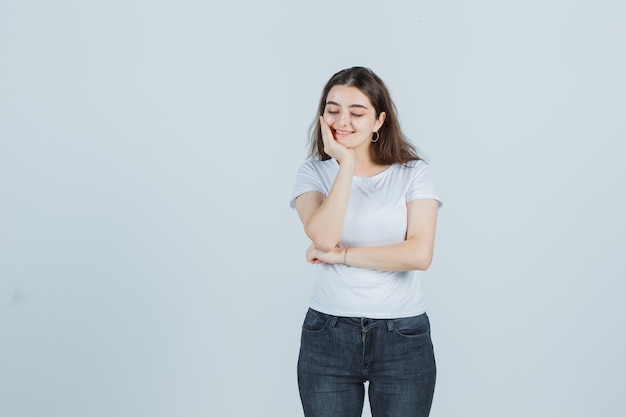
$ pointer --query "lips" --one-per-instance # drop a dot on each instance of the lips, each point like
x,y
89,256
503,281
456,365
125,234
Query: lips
x,y
343,133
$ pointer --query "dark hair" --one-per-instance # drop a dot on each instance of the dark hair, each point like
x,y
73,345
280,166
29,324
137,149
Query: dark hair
x,y
393,146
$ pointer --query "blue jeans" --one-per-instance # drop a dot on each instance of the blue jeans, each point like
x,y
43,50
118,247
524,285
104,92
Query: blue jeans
x,y
338,354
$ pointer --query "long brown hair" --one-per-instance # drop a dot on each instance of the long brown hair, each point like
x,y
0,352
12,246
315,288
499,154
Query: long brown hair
x,y
393,146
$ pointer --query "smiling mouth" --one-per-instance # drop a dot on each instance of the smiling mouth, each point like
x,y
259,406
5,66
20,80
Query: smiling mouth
x,y
343,132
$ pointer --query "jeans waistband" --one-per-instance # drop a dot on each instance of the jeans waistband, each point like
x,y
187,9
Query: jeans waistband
x,y
360,322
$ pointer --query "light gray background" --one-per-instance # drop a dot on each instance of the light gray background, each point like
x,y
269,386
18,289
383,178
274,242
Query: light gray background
x,y
150,265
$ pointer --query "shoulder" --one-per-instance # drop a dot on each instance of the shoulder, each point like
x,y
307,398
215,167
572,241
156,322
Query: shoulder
x,y
316,172
411,168
420,181
314,165
416,164
313,175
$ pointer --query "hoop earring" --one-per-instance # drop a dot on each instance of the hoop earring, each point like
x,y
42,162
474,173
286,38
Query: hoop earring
x,y
377,137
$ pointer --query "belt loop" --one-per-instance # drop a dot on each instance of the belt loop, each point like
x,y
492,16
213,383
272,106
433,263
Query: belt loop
x,y
332,321
390,325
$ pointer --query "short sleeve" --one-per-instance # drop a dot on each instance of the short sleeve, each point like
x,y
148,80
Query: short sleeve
x,y
307,179
421,186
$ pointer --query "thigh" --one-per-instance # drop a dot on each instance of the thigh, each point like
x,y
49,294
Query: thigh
x,y
329,376
402,379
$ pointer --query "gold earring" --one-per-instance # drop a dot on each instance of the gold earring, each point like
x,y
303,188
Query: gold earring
x,y
377,137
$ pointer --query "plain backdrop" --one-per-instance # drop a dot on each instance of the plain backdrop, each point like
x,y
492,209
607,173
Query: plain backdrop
x,y
150,264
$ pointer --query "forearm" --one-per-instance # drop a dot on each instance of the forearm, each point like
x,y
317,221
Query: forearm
x,y
325,225
408,255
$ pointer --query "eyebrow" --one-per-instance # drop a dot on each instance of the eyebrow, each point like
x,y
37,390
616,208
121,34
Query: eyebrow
x,y
352,105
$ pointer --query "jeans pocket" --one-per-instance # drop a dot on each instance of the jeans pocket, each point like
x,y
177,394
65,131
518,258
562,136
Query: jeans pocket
x,y
314,321
415,326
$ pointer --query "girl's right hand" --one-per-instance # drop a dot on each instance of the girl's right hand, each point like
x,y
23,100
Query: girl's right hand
x,y
332,147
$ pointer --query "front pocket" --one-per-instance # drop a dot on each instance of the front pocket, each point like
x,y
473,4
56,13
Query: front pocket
x,y
412,326
314,321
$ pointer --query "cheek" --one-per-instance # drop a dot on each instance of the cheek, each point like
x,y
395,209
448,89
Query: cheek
x,y
330,119
361,123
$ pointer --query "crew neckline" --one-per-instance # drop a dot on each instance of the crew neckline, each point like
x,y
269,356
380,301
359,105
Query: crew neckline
x,y
372,177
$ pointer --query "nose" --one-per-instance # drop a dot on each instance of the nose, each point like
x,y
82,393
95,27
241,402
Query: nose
x,y
344,119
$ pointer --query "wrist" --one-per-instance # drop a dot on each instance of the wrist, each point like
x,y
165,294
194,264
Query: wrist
x,y
347,161
336,255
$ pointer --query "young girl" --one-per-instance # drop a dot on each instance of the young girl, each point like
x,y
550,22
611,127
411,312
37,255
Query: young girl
x,y
368,205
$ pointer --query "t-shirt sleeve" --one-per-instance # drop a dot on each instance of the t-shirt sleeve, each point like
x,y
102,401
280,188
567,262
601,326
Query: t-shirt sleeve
x,y
422,186
307,180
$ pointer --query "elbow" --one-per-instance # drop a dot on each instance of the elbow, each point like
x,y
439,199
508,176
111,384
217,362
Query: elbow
x,y
321,241
324,245
421,261
423,264
417,265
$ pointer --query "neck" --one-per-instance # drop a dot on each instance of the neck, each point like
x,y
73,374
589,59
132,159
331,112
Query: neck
x,y
366,166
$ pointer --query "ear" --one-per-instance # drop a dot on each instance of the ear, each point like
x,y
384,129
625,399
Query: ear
x,y
379,122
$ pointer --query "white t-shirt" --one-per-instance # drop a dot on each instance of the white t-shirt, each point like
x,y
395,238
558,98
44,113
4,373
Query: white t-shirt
x,y
376,215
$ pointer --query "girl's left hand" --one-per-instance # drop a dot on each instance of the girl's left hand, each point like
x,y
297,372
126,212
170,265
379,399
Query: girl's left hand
x,y
316,256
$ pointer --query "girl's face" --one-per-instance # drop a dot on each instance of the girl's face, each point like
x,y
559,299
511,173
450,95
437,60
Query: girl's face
x,y
351,117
